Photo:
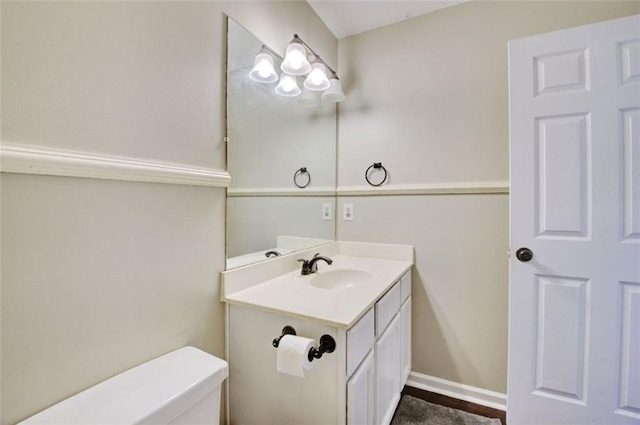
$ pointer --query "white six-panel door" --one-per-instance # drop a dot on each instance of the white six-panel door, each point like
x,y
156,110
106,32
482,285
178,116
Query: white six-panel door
x,y
574,326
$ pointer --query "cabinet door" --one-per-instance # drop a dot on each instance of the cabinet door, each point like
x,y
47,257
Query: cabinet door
x,y
360,394
405,317
360,339
388,372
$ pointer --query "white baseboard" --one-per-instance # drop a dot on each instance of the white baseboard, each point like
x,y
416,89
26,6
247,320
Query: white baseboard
x,y
468,393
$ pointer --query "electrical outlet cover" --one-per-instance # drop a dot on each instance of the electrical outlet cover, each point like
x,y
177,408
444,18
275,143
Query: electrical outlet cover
x,y
326,211
347,212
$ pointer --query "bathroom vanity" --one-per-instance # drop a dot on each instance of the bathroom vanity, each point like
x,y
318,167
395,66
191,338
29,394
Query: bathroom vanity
x,y
362,300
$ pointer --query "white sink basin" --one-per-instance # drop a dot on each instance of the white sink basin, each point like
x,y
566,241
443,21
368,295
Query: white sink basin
x,y
340,279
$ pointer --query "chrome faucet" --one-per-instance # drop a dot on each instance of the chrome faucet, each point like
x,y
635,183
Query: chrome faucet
x,y
311,266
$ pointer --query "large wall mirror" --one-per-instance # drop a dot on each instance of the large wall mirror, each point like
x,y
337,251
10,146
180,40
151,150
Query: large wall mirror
x,y
271,138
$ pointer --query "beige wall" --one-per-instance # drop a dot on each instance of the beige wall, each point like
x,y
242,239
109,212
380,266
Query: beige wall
x,y
428,98
99,276
122,78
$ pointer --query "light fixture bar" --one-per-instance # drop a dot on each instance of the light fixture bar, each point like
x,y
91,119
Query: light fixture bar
x,y
317,56
273,52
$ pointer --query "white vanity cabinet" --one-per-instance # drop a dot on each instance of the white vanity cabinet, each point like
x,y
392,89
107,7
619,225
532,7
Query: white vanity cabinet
x,y
358,384
381,376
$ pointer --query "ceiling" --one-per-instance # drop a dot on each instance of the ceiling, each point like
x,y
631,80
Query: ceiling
x,y
350,17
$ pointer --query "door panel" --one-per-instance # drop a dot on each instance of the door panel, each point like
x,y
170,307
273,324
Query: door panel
x,y
563,175
629,57
360,394
387,366
562,72
574,321
629,401
631,173
562,321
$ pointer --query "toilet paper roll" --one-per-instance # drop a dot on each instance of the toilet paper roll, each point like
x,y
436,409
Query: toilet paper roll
x,y
293,355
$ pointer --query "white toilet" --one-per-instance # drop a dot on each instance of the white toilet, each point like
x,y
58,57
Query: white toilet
x,y
182,387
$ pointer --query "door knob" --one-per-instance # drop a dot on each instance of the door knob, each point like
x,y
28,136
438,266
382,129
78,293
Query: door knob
x,y
524,254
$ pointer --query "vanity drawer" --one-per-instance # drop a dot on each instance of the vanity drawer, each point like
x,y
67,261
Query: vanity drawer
x,y
360,339
387,307
405,285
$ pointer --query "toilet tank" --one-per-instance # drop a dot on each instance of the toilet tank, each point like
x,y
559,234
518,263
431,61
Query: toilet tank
x,y
178,388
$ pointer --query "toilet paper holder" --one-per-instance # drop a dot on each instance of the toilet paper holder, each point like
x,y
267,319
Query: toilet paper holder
x,y
327,343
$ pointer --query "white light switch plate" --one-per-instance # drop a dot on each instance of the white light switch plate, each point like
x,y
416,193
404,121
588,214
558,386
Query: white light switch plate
x,y
326,211
347,212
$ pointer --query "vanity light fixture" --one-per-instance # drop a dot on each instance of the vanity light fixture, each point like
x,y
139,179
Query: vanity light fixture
x,y
334,93
317,79
263,69
300,60
295,61
288,86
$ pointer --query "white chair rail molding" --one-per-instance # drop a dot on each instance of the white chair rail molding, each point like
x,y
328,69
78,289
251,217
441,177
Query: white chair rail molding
x,y
26,159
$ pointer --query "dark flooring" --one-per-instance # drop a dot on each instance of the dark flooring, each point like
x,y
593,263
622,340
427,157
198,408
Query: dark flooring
x,y
456,404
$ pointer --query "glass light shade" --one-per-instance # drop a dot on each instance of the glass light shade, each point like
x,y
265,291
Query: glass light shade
x,y
334,93
317,78
263,70
288,86
295,61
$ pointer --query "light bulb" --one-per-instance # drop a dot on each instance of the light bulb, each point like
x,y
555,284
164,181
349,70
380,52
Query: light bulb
x,y
317,78
288,86
263,70
295,61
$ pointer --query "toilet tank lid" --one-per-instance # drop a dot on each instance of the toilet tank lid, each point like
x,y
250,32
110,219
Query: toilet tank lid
x,y
163,387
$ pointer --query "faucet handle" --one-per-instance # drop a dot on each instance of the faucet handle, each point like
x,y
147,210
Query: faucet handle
x,y
317,254
305,266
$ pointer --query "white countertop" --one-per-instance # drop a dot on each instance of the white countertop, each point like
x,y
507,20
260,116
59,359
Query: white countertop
x,y
293,294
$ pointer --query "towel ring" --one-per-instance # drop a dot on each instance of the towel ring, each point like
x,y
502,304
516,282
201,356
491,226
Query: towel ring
x,y
299,173
376,166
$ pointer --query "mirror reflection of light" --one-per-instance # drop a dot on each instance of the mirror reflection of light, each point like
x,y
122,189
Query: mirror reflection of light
x,y
288,86
295,62
264,70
